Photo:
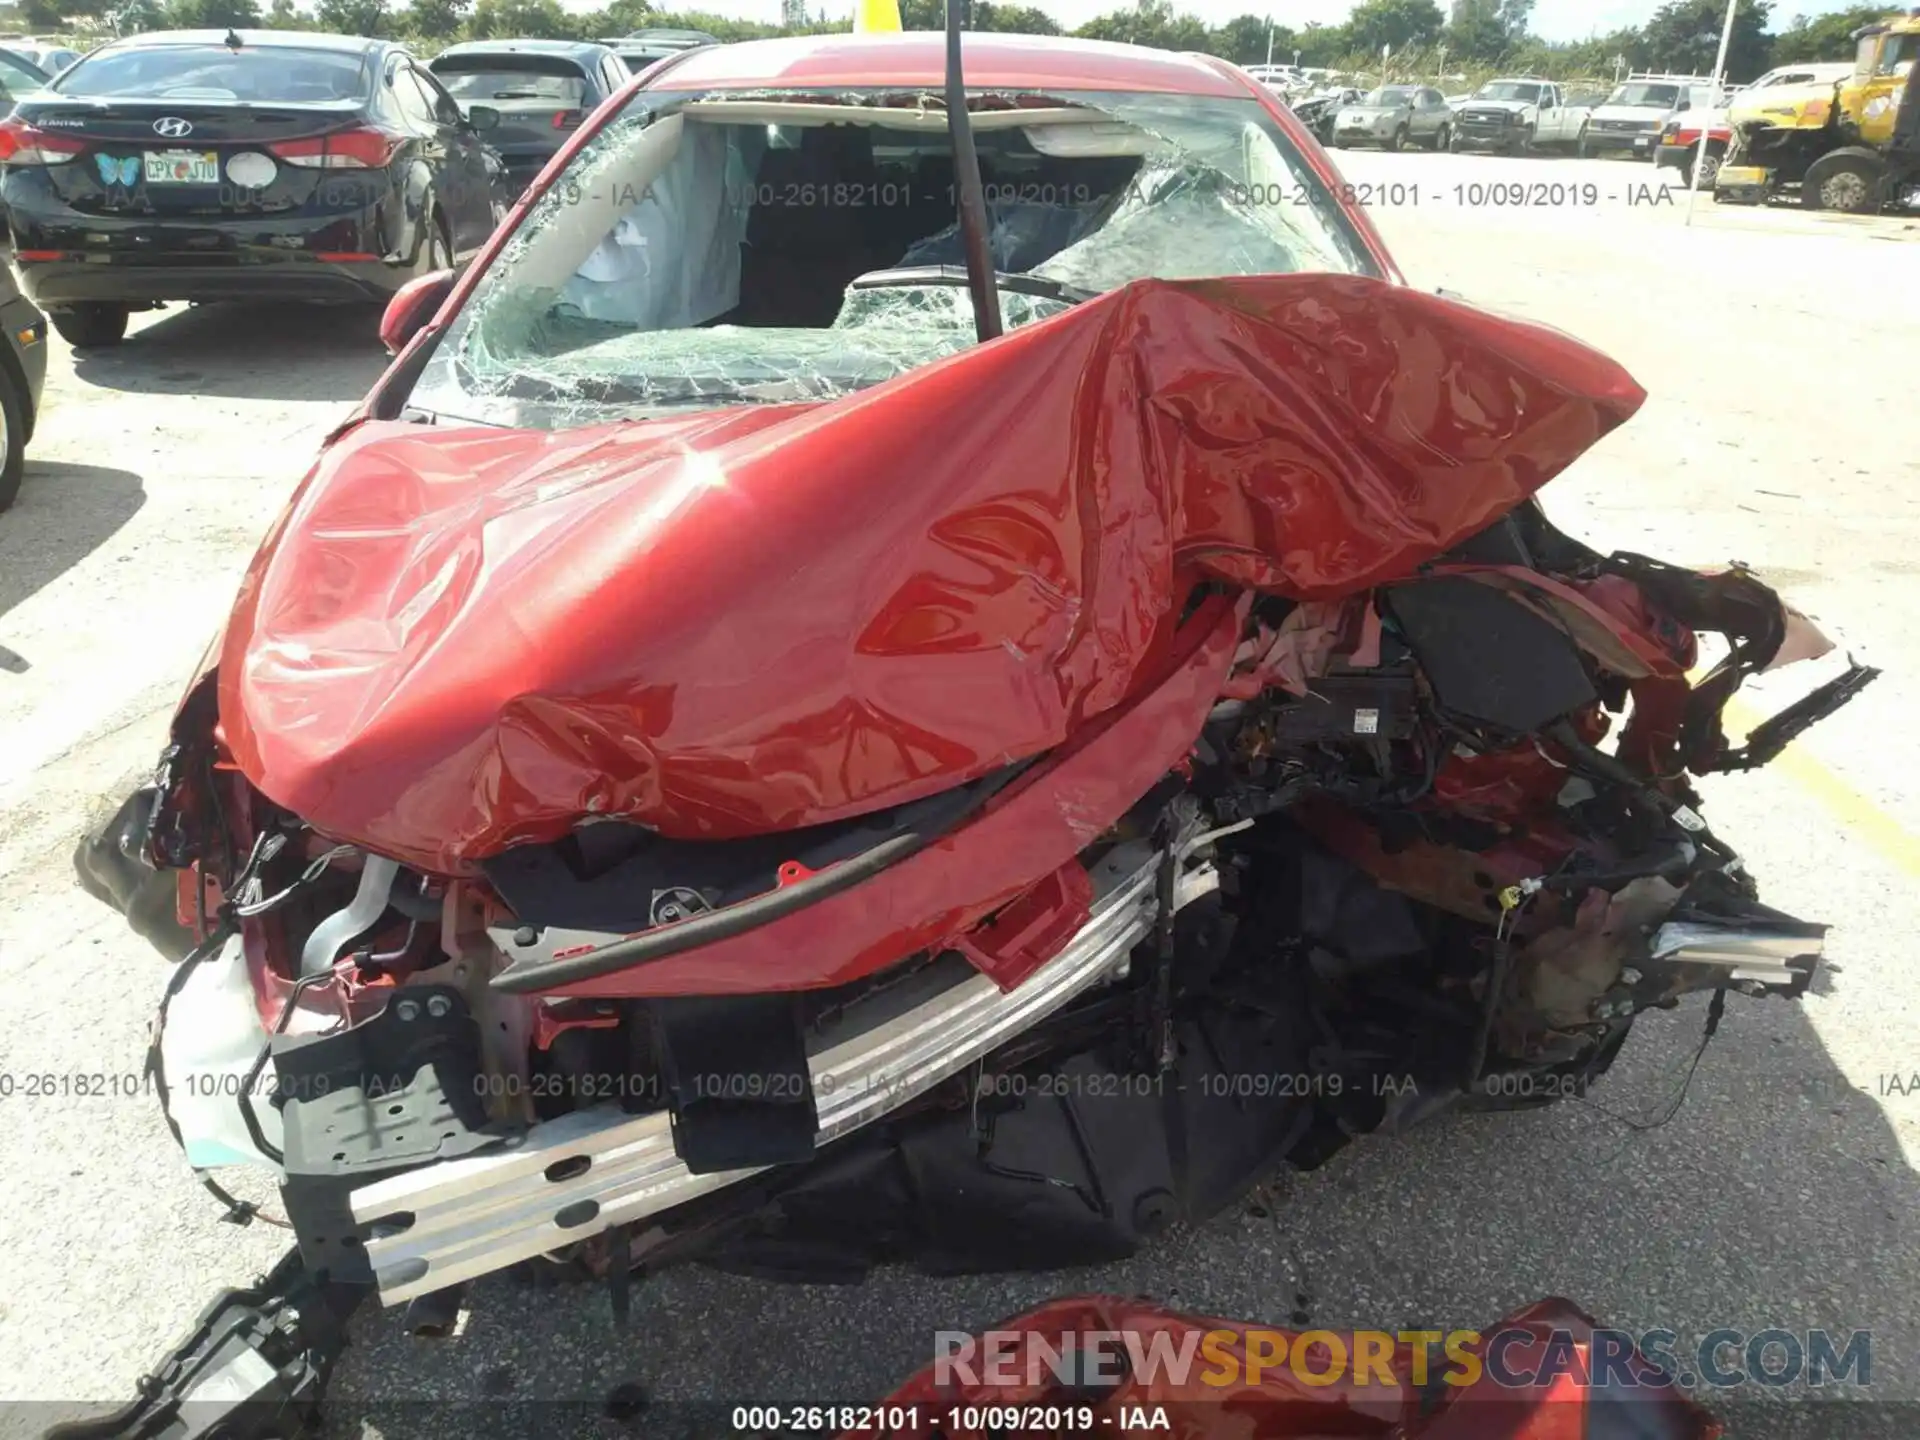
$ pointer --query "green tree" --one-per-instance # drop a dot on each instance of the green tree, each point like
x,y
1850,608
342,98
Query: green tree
x,y
1475,32
1243,40
1596,56
719,26
1015,19
623,17
979,15
1323,44
1829,37
434,19
138,17
354,17
530,19
213,14
1398,23
1684,36
282,16
1151,22
1514,16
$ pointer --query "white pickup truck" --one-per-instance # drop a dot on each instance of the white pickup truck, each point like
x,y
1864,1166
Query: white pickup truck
x,y
1633,116
1515,115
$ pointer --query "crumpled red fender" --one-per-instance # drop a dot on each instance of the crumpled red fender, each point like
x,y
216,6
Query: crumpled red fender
x,y
456,640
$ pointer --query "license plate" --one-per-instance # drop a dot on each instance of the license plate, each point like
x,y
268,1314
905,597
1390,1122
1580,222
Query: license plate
x,y
1641,143
183,167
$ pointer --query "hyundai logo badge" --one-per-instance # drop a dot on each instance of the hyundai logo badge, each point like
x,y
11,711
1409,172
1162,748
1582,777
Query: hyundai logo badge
x,y
172,126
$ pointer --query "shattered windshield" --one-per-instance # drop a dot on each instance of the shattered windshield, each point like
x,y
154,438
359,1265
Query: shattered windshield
x,y
706,251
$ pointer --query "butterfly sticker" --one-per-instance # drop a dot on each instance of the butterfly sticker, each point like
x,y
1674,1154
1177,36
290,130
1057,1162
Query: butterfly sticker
x,y
121,170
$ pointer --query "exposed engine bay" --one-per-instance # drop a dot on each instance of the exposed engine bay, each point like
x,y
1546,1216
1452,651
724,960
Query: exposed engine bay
x,y
567,876
1397,869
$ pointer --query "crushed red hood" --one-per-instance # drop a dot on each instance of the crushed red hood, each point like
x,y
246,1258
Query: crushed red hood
x,y
458,640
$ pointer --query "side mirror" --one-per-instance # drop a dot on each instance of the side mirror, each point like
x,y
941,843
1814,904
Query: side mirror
x,y
482,118
412,305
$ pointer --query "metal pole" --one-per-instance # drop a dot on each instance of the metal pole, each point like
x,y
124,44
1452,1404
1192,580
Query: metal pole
x,y
1719,70
1269,41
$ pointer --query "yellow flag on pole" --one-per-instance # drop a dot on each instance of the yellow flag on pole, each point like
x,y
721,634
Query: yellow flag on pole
x,y
876,17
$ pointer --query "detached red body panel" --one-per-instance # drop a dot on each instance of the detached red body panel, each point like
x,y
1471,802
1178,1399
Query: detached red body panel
x,y
1197,1378
753,620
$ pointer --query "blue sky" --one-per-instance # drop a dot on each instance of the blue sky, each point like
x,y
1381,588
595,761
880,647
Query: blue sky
x,y
1553,19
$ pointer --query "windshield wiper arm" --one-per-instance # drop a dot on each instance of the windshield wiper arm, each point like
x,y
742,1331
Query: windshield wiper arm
x,y
907,276
972,197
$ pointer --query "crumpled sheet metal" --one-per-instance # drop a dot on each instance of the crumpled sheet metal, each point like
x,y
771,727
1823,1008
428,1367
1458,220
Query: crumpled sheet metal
x,y
1575,1388
735,622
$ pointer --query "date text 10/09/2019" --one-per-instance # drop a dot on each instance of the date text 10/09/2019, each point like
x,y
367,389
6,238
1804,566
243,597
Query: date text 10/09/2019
x,y
584,1089
1471,195
1248,195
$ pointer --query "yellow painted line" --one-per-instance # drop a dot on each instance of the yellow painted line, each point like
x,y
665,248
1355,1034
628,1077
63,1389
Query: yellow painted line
x,y
1861,817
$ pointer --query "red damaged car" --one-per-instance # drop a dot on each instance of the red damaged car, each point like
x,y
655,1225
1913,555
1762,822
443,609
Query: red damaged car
x,y
718,759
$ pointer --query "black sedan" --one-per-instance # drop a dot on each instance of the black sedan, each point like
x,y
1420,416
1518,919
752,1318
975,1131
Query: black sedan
x,y
213,165
543,89
23,374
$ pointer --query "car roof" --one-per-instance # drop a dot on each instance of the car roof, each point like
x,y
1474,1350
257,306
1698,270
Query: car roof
x,y
577,49
252,40
918,58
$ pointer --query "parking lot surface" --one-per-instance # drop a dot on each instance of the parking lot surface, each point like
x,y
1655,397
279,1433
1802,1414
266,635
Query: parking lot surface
x,y
1777,349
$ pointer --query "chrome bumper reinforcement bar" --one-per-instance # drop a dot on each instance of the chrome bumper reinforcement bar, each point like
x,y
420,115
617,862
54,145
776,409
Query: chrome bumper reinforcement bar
x,y
458,1219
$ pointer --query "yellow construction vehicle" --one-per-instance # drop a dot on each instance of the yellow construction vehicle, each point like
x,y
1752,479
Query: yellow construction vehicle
x,y
1853,147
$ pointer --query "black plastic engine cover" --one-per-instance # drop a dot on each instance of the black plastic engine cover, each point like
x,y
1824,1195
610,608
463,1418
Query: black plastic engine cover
x,y
737,1080
1488,657
1072,1162
1372,705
